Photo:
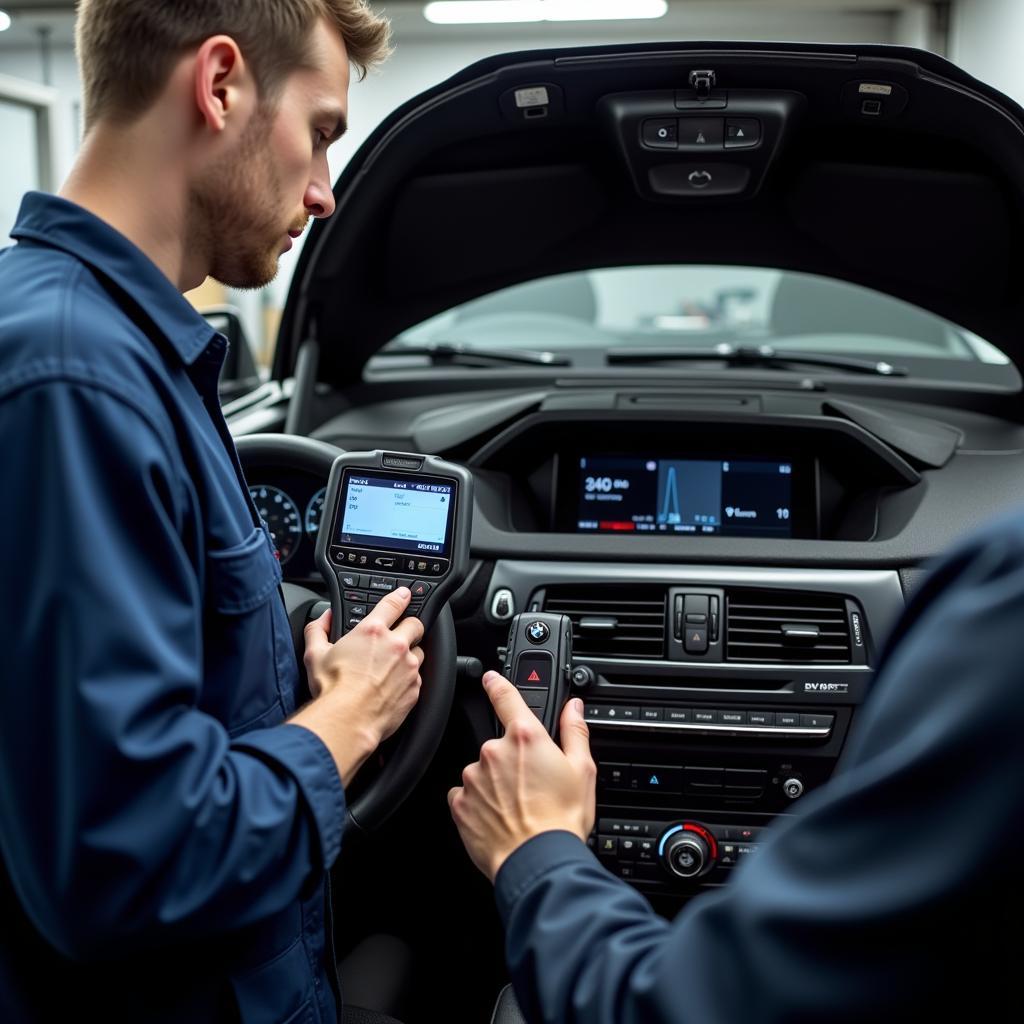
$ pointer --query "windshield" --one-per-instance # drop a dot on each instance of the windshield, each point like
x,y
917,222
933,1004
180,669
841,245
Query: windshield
x,y
698,306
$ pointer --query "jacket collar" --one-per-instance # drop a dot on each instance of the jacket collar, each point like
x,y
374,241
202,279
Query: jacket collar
x,y
56,222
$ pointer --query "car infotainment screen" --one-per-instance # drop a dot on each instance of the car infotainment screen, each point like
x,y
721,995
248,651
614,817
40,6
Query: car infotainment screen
x,y
741,497
397,513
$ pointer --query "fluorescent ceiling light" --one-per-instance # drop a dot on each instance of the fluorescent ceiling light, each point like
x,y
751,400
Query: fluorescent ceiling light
x,y
603,10
483,12
5,21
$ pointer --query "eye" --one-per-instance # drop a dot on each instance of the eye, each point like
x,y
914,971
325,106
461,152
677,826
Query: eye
x,y
320,139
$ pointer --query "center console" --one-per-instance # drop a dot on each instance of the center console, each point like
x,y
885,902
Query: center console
x,y
717,697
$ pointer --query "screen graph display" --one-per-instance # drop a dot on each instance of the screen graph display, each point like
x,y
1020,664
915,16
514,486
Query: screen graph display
x,y
688,496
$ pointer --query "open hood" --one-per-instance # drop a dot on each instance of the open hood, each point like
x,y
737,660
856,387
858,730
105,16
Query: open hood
x,y
884,166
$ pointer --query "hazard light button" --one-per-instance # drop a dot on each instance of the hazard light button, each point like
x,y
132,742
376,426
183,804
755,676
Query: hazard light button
x,y
656,778
534,670
695,639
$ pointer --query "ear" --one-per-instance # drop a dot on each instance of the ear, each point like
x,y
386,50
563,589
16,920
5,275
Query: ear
x,y
222,81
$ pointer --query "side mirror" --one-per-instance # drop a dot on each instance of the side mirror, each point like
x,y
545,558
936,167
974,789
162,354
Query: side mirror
x,y
239,374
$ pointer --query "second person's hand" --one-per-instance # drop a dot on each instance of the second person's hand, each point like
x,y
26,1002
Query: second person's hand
x,y
524,783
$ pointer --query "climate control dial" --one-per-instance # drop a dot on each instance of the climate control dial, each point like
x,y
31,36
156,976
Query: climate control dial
x,y
688,850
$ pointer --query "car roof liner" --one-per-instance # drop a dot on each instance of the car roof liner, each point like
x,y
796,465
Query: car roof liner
x,y
467,188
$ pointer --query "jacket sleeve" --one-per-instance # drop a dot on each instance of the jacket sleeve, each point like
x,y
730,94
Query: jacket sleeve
x,y
882,896
127,815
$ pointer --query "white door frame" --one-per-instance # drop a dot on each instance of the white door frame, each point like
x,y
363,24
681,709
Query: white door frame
x,y
42,101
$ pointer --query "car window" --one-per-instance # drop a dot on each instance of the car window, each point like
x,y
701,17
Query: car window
x,y
699,306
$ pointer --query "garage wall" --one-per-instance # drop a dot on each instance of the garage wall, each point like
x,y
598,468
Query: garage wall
x,y
24,63
987,40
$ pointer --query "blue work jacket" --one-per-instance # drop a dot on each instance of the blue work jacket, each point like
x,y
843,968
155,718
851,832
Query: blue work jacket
x,y
164,834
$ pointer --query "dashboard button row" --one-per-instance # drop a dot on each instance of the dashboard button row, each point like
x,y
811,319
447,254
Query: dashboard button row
x,y
676,780
715,718
632,827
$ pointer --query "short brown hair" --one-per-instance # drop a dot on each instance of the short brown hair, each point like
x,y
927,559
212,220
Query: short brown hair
x,y
126,48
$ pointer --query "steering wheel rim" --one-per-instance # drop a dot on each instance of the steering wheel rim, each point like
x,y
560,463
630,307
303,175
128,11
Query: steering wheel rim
x,y
420,735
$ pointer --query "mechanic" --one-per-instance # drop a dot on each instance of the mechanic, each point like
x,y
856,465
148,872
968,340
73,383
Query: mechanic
x,y
891,895
167,815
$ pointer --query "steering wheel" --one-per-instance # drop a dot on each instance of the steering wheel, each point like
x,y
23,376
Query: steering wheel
x,y
413,747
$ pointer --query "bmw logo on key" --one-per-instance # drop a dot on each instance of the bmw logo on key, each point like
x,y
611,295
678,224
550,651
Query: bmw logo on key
x,y
537,632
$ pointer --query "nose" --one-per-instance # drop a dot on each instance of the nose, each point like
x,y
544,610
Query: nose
x,y
319,198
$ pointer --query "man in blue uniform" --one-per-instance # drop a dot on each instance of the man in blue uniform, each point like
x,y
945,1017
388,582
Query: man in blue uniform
x,y
892,895
167,814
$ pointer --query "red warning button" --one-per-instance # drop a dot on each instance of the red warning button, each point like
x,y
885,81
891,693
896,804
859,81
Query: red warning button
x,y
533,669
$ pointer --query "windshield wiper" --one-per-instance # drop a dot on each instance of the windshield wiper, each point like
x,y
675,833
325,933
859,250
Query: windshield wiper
x,y
753,355
442,354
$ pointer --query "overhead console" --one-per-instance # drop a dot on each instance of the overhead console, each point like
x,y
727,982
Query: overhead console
x,y
702,142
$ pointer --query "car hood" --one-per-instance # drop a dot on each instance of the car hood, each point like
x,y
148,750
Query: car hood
x,y
459,193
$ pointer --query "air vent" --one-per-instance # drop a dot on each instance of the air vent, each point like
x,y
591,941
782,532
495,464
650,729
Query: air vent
x,y
612,621
786,626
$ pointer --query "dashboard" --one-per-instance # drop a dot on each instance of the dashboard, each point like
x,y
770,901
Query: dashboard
x,y
730,577
291,503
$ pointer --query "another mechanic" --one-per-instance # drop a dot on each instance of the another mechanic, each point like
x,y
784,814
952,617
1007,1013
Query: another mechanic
x,y
167,814
893,893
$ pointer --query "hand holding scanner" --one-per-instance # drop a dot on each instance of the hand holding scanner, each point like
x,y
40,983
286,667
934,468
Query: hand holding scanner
x,y
393,519
538,662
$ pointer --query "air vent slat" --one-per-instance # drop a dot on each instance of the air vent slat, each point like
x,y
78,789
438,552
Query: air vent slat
x,y
584,602
782,608
830,620
756,623
775,632
638,611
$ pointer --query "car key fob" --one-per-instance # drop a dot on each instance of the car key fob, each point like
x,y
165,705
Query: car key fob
x,y
538,662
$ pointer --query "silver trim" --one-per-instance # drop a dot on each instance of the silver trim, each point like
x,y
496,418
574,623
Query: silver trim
x,y
695,726
503,592
797,784
781,666
695,843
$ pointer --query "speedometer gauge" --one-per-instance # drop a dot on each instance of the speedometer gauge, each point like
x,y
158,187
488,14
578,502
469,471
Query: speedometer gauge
x,y
282,518
313,510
